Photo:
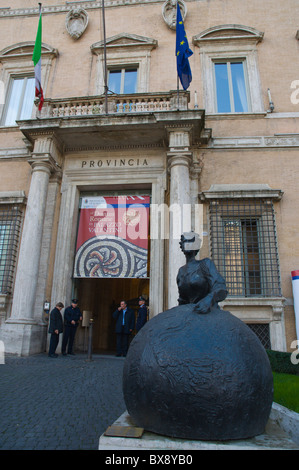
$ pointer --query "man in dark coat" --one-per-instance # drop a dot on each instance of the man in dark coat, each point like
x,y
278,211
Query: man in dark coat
x,y
72,316
55,328
142,314
125,323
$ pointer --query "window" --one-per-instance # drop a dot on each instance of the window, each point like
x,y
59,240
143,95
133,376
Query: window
x,y
10,226
19,101
123,80
230,71
17,76
128,62
231,89
242,254
244,246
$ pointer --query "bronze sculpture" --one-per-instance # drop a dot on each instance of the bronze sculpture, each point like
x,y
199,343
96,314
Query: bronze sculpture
x,y
199,282
196,371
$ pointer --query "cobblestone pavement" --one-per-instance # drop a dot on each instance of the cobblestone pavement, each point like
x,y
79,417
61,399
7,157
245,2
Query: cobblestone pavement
x,y
64,403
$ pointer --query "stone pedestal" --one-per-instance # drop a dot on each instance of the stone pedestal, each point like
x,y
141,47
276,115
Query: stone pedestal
x,y
275,437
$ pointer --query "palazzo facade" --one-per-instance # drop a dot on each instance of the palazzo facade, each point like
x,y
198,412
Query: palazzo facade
x,y
221,158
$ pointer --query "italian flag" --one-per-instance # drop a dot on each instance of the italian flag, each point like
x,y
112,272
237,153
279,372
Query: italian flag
x,y
37,60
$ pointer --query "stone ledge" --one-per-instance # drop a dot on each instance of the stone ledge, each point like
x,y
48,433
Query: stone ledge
x,y
276,437
288,420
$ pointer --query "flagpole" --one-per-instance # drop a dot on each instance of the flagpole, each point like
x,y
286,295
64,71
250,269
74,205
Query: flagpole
x,y
105,58
38,111
177,81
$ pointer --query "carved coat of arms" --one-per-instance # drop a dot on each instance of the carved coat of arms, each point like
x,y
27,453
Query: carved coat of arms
x,y
76,22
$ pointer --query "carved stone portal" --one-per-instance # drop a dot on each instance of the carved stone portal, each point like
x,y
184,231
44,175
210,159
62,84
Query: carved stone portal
x,y
169,12
76,22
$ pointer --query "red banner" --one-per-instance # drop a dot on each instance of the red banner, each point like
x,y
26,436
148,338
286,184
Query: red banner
x,y
112,237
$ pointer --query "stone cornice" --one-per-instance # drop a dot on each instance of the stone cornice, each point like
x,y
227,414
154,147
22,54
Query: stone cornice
x,y
88,148
87,5
115,130
14,154
13,197
236,191
263,142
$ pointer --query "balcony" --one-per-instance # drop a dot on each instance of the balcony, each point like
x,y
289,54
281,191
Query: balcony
x,y
117,104
134,120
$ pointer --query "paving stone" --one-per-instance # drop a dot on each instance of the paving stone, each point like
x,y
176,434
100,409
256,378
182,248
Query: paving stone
x,y
64,403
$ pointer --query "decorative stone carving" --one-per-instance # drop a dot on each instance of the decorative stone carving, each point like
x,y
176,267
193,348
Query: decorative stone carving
x,y
169,12
76,22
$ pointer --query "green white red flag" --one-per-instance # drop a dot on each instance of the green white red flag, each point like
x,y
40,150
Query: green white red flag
x,y
37,60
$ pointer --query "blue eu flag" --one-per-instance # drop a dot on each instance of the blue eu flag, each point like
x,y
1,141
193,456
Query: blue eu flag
x,y
182,52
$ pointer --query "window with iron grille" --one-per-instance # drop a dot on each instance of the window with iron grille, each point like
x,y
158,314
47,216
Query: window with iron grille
x,y
10,227
244,246
262,331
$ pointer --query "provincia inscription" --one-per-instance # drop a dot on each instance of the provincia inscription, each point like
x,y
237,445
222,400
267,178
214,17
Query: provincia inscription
x,y
111,162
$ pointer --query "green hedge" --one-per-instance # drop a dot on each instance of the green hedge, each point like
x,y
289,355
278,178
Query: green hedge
x,y
281,362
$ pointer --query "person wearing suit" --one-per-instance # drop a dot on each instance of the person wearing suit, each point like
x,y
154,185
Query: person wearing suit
x,y
55,328
125,324
72,316
142,314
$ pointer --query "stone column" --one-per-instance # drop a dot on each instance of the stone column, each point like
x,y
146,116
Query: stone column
x,y
28,263
179,160
22,333
65,246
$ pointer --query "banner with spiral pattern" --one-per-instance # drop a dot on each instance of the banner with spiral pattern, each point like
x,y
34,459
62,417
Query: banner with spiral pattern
x,y
112,238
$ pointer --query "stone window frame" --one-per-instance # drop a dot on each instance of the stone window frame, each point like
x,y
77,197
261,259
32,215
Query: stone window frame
x,y
229,43
125,50
246,193
17,62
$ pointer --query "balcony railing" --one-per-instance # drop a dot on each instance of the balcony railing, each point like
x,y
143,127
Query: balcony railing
x,y
117,104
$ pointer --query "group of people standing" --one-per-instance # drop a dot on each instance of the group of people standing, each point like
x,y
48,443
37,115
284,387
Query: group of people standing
x,y
72,316
125,324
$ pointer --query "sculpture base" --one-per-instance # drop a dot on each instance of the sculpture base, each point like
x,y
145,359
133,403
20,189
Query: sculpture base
x,y
274,438
193,376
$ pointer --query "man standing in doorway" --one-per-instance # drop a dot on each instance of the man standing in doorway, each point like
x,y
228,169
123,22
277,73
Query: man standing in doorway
x,y
125,323
72,316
